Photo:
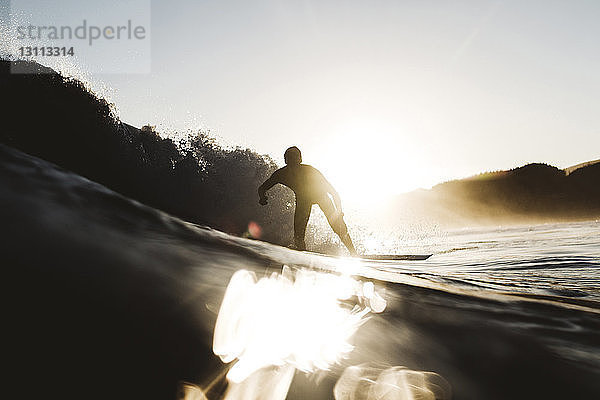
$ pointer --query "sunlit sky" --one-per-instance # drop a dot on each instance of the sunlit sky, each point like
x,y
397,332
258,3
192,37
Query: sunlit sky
x,y
382,96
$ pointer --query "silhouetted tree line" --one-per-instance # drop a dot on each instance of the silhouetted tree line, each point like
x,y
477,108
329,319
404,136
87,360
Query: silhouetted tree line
x,y
534,192
59,120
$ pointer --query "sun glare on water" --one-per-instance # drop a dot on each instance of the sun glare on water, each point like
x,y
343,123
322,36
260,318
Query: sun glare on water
x,y
292,317
301,319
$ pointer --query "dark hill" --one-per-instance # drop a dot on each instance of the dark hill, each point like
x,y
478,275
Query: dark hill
x,y
534,192
574,168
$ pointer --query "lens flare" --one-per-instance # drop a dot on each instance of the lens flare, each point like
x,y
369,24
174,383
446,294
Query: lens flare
x,y
299,318
367,382
254,230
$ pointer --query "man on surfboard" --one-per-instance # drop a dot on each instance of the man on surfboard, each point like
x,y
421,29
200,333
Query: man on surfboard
x,y
310,187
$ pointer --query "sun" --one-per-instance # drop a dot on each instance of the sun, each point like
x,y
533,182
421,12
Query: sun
x,y
368,161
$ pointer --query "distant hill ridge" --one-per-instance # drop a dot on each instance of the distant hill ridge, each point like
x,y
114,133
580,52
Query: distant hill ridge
x,y
572,168
533,192
500,173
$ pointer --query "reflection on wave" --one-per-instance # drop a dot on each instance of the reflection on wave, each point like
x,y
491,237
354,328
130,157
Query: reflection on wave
x,y
298,319
369,382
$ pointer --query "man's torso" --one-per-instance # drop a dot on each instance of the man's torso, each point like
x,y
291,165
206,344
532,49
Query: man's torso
x,y
306,181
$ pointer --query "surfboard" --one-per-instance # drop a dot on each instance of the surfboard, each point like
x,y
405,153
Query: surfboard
x,y
396,257
383,257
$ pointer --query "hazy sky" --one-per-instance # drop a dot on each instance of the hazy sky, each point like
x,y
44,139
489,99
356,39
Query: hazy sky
x,y
382,96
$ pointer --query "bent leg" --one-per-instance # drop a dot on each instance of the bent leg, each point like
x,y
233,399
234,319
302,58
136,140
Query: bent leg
x,y
301,216
337,223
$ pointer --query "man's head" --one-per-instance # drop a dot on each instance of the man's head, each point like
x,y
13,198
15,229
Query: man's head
x,y
292,156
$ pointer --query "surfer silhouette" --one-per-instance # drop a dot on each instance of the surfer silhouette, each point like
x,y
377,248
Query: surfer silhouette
x,y
310,187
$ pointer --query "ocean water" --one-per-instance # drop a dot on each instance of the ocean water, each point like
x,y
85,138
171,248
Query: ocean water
x,y
107,298
559,260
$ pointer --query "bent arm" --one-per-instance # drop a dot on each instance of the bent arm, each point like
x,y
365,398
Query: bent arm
x,y
268,184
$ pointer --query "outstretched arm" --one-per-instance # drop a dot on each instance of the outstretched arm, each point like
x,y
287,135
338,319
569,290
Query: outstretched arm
x,y
268,184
